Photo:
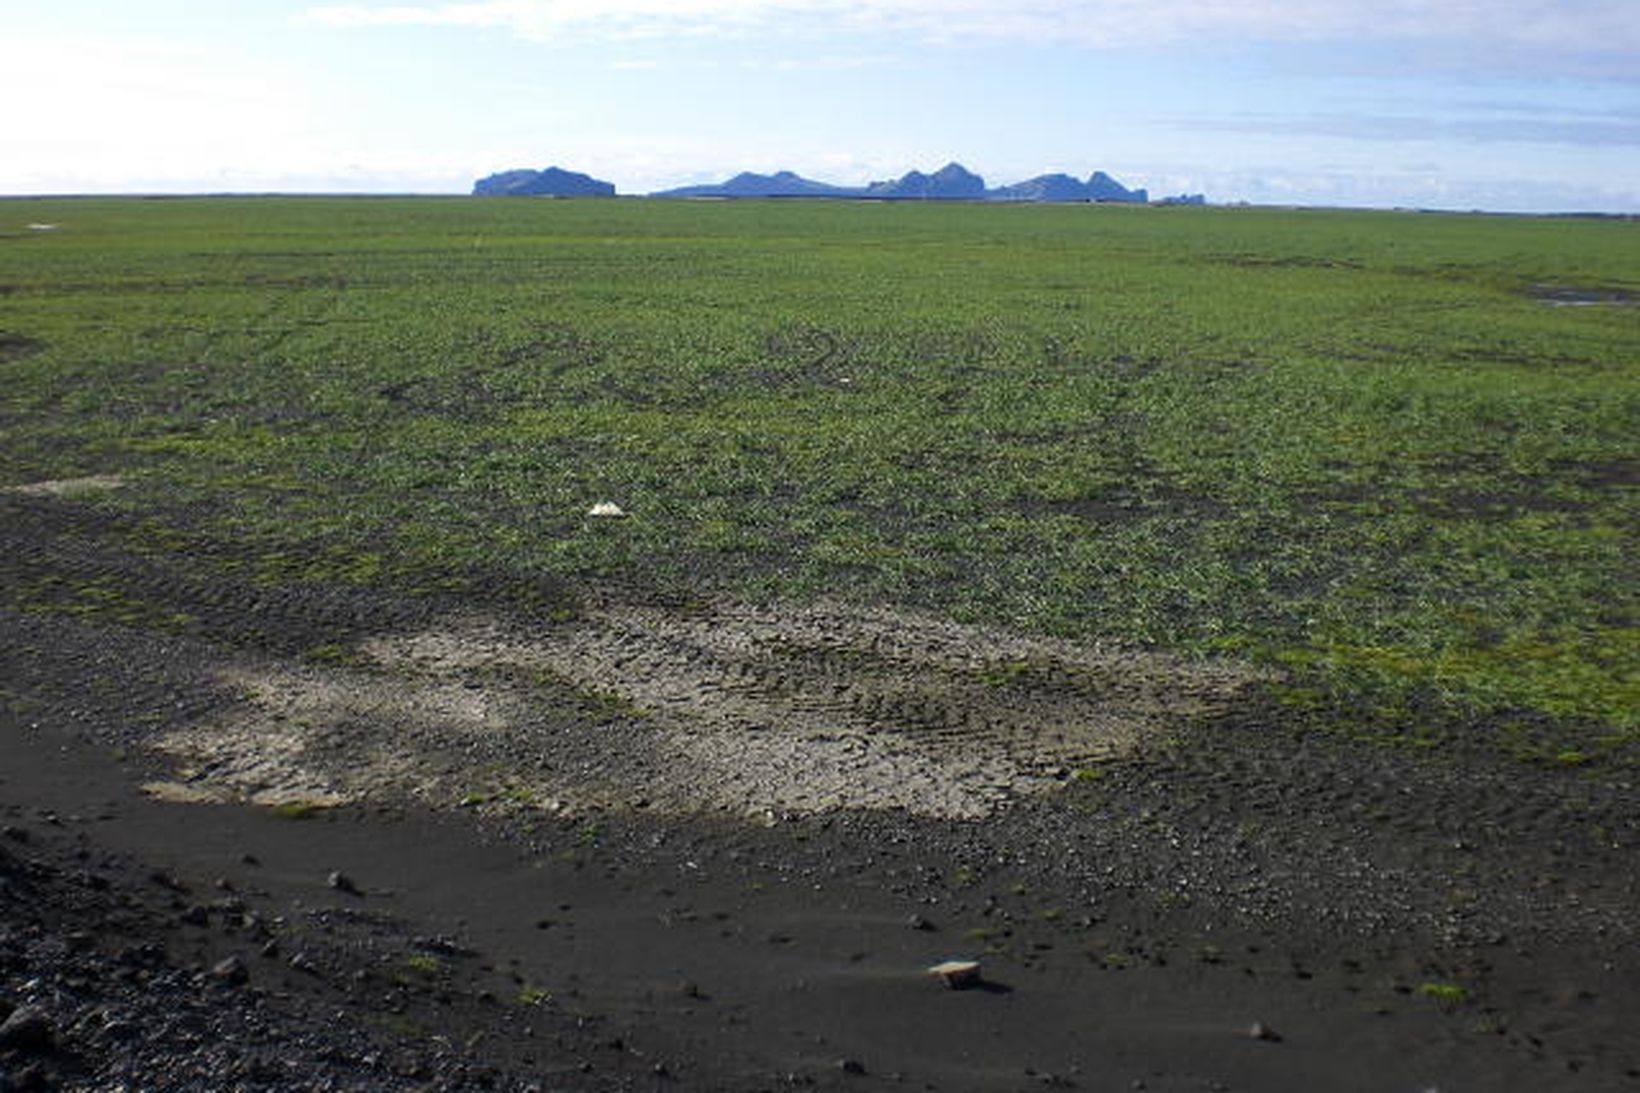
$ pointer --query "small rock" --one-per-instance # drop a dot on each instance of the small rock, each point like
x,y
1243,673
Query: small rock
x,y
28,1028
957,974
15,833
231,970
166,879
302,963
917,922
1260,1031
851,1066
197,915
607,510
343,883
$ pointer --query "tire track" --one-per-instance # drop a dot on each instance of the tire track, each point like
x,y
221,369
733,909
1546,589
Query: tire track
x,y
749,709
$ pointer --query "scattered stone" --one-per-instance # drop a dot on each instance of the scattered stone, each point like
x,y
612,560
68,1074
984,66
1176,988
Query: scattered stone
x,y
302,963
231,970
15,833
80,941
1260,1031
445,946
166,879
29,1028
607,510
957,974
851,1066
197,915
343,883
917,922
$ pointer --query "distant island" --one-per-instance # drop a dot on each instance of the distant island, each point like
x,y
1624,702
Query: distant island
x,y
552,182
953,182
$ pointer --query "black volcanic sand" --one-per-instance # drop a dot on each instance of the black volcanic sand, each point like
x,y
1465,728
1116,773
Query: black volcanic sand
x,y
1232,904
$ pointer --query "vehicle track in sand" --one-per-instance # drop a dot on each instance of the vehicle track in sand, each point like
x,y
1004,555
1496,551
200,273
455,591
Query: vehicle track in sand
x,y
627,701
757,711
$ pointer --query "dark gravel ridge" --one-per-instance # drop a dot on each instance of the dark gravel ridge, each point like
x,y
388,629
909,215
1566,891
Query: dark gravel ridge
x,y
116,975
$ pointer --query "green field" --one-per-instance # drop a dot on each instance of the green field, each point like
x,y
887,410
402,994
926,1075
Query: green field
x,y
1393,455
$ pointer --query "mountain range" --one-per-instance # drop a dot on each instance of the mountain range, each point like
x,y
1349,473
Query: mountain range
x,y
953,182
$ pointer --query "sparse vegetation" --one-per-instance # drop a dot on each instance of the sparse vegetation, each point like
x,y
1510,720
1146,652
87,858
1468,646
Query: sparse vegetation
x,y
1447,994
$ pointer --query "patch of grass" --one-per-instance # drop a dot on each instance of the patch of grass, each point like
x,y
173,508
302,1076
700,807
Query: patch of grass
x,y
1360,448
532,996
101,599
609,704
1004,673
334,654
422,964
1447,994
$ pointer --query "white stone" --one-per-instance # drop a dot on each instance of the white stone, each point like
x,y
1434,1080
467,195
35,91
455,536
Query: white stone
x,y
956,974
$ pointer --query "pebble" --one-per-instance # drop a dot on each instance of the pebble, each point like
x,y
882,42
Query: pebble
x,y
1260,1031
343,883
231,970
957,974
28,1028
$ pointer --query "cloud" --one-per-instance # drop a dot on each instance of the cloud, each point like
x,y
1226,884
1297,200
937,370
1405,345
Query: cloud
x,y
1570,26
1431,189
1601,131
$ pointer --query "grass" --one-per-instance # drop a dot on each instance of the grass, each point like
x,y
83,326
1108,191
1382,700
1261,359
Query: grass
x,y
1447,994
1361,447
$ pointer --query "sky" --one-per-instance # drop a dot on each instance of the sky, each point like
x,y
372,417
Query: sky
x,y
1503,105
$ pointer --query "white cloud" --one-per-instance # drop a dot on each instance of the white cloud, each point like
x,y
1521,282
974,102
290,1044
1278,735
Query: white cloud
x,y
1600,26
1607,131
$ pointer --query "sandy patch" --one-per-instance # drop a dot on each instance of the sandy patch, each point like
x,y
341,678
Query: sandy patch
x,y
758,711
68,487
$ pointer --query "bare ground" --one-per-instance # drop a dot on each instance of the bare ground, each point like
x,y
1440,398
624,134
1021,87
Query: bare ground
x,y
714,845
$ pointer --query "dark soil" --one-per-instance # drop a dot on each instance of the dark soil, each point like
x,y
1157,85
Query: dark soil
x,y
1226,901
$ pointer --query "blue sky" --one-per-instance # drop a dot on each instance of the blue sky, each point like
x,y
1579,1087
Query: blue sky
x,y
1504,105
